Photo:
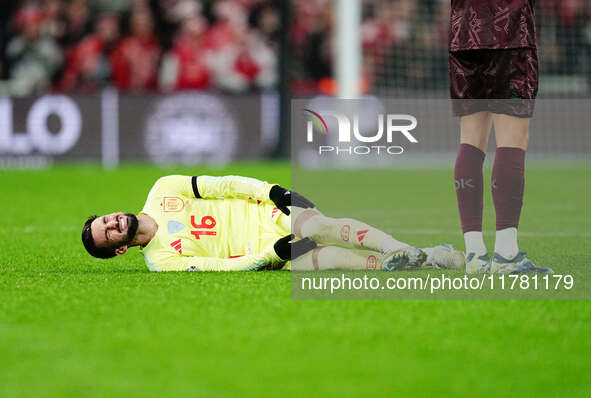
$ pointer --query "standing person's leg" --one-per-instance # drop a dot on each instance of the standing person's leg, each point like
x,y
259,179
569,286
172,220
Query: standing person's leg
x,y
469,183
470,76
511,121
507,180
507,183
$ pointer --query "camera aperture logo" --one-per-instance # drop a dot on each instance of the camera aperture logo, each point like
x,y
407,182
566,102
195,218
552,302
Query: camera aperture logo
x,y
380,142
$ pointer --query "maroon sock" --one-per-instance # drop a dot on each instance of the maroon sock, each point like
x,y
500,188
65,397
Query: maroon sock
x,y
469,186
507,183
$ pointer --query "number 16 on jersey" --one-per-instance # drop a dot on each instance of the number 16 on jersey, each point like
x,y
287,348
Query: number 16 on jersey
x,y
207,223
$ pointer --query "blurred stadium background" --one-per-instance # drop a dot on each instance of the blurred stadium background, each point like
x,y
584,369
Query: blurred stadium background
x,y
169,81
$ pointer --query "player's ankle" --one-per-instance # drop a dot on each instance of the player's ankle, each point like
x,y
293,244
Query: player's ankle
x,y
506,243
475,243
390,244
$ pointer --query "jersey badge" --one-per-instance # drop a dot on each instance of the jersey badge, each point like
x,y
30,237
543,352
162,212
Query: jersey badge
x,y
172,204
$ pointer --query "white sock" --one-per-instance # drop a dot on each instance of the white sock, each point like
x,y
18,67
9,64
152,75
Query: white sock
x,y
506,243
390,244
475,243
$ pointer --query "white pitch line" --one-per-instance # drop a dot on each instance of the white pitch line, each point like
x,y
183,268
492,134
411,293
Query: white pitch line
x,y
521,233
31,229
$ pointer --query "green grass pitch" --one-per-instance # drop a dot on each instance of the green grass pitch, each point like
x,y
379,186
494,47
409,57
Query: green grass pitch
x,y
74,326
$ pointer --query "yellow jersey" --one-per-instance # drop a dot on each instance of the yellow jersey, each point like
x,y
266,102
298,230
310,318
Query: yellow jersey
x,y
212,223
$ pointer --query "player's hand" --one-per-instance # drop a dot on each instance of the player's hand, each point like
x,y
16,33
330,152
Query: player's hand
x,y
287,250
283,198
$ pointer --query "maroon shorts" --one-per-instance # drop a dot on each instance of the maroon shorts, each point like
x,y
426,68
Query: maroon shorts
x,y
497,81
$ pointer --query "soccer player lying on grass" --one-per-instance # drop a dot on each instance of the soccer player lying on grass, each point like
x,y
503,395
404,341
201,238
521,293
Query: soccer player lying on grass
x,y
237,223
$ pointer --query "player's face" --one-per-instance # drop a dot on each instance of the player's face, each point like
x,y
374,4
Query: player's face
x,y
114,230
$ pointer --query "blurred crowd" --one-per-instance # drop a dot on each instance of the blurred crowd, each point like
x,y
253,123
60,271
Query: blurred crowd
x,y
233,45
405,42
137,45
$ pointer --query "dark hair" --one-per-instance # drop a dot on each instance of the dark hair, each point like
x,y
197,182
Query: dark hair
x,y
98,252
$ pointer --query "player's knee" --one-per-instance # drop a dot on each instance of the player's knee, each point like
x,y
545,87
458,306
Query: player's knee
x,y
526,138
477,140
517,139
316,228
304,217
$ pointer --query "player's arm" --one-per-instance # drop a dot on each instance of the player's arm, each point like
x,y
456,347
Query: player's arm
x,y
175,184
232,187
246,187
206,187
283,250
